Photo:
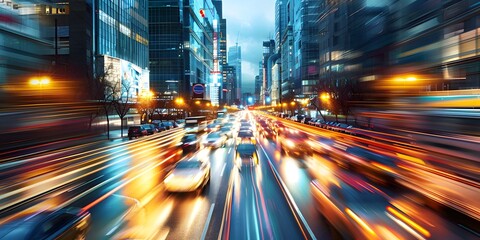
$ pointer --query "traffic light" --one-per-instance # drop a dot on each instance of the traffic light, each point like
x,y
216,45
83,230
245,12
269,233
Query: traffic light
x,y
202,13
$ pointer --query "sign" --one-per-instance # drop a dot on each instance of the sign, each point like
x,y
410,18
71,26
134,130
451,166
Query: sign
x,y
198,90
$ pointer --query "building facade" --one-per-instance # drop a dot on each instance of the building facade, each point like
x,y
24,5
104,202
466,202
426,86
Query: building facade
x,y
183,40
229,77
25,49
235,59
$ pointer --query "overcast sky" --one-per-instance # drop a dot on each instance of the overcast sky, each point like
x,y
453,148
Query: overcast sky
x,y
253,21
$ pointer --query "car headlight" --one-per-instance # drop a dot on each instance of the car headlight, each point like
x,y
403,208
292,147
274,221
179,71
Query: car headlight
x,y
198,177
290,143
168,178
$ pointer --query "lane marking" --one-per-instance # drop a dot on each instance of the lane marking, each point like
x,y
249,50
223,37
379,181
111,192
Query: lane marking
x,y
287,192
223,169
470,230
210,213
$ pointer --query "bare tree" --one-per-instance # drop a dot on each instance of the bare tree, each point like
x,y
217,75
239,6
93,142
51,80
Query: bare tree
x,y
147,104
121,102
341,93
102,91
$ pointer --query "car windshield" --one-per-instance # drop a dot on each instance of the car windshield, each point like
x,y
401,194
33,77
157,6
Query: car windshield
x,y
224,129
245,134
188,164
189,138
246,149
213,135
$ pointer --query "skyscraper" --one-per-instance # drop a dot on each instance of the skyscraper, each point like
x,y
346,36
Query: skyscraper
x,y
284,33
268,51
229,81
305,47
82,40
182,38
120,41
235,59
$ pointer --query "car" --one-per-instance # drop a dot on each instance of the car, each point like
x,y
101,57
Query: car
x,y
213,127
305,120
215,140
379,168
341,127
188,176
312,121
320,123
245,137
294,143
268,133
180,123
150,128
159,125
278,127
63,224
358,210
230,125
227,131
169,125
189,143
136,131
246,156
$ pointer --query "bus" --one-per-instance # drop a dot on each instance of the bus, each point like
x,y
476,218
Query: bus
x,y
195,124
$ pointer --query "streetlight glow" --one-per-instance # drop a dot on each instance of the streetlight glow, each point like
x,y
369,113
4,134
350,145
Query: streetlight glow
x,y
179,101
325,96
39,81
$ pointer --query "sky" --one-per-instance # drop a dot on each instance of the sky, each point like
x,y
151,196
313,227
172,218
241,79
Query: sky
x,y
252,22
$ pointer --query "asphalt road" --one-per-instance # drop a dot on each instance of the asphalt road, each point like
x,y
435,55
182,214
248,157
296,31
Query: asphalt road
x,y
120,184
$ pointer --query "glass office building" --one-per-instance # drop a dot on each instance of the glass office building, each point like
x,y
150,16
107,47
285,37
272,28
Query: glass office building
x,y
182,46
122,38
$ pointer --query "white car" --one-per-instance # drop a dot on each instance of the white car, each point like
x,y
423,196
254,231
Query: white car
x,y
215,139
188,176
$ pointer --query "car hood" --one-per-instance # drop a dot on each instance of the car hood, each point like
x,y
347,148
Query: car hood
x,y
185,173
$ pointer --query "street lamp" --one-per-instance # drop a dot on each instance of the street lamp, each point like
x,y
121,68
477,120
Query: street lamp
x,y
41,83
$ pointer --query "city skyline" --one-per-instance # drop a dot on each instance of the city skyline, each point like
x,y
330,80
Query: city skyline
x,y
249,27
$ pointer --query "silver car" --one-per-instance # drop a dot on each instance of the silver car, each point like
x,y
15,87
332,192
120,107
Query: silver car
x,y
188,176
215,139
